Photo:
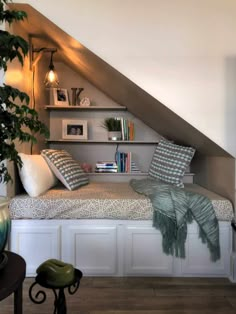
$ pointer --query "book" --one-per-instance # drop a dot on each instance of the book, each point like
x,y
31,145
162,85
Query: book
x,y
106,164
107,167
106,170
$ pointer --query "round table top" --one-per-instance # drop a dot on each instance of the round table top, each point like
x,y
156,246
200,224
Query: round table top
x,y
12,275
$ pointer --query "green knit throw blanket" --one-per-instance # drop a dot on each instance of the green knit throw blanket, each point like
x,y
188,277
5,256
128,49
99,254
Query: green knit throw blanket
x,y
175,207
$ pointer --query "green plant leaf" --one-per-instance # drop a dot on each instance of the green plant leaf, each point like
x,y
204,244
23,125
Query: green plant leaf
x,y
17,120
112,124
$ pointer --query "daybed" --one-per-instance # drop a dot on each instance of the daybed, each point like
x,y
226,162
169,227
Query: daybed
x,y
106,229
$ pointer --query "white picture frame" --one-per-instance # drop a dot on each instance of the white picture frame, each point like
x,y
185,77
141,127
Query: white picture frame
x,y
75,129
59,97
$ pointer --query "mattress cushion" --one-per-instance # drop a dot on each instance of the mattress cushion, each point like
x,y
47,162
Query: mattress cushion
x,y
100,200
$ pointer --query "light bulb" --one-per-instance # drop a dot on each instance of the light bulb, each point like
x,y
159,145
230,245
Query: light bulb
x,y
51,78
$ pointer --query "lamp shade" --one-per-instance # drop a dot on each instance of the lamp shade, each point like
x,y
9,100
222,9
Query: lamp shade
x,y
51,78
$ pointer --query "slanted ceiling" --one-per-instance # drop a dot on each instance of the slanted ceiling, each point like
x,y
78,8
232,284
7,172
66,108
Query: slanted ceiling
x,y
114,84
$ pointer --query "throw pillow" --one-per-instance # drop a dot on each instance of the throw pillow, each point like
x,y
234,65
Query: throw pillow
x,y
35,175
65,168
170,161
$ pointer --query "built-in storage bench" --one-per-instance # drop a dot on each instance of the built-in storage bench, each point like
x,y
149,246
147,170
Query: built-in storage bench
x,y
115,248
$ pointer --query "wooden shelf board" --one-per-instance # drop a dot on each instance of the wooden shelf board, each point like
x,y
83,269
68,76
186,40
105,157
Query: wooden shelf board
x,y
51,141
90,108
128,173
118,173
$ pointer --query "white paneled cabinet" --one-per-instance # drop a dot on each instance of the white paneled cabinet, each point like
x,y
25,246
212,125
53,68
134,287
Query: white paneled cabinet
x,y
115,248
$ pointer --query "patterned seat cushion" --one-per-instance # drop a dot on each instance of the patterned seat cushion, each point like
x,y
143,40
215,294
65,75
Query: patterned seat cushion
x,y
65,168
170,161
101,200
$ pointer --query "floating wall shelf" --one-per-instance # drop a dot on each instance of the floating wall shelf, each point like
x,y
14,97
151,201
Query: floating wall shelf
x,y
90,108
51,141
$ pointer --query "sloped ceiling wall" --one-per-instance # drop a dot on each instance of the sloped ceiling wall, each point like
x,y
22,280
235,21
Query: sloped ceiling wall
x,y
116,85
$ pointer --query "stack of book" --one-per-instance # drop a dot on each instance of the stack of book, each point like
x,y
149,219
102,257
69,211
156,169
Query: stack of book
x,y
106,167
134,168
123,161
127,129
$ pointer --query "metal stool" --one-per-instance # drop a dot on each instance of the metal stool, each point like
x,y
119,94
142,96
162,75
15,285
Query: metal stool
x,y
60,300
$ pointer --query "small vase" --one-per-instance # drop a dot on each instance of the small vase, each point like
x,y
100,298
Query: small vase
x,y
4,229
114,135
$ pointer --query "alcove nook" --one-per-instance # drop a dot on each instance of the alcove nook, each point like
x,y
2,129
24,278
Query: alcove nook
x,y
213,167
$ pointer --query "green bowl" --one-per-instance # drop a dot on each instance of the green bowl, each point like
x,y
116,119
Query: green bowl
x,y
56,273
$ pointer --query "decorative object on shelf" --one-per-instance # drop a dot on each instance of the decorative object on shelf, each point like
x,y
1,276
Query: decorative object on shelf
x,y
4,229
113,126
85,102
80,89
75,129
59,97
76,95
86,167
56,272
114,135
56,275
73,97
19,121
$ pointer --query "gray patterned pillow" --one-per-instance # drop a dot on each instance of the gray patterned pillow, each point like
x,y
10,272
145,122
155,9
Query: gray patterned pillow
x,y
65,168
170,161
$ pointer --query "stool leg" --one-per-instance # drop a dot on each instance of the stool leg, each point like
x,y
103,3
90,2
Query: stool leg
x,y
18,300
60,303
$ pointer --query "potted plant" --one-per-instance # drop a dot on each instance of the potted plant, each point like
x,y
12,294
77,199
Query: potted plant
x,y
17,120
113,126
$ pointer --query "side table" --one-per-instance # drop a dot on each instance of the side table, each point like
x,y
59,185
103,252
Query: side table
x,y
11,280
60,300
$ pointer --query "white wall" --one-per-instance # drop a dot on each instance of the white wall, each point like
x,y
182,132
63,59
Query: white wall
x,y
183,52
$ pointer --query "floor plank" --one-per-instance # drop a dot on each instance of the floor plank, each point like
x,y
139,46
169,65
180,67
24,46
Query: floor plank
x,y
139,296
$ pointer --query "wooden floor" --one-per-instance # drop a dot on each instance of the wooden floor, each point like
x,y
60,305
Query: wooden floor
x,y
139,296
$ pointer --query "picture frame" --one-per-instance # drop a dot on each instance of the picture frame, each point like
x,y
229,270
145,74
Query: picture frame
x,y
59,97
75,129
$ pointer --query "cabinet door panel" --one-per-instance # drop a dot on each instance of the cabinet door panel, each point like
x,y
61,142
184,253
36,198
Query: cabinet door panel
x,y
35,242
143,252
91,249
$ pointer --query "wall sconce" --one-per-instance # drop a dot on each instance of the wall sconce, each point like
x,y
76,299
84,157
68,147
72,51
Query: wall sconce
x,y
51,77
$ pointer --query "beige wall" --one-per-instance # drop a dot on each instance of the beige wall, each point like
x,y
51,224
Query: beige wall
x,y
216,174
182,52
